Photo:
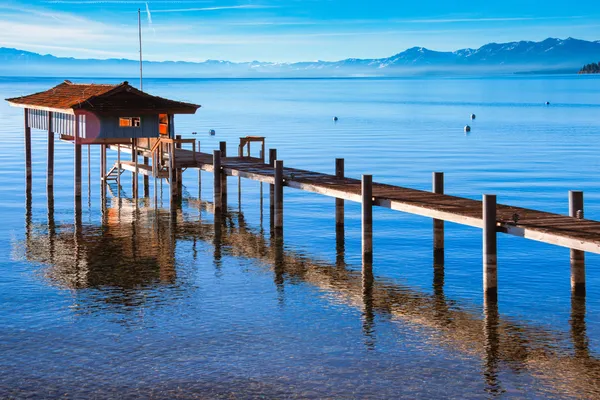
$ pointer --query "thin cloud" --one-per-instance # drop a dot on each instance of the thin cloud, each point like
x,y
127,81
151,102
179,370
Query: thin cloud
x,y
217,8
498,19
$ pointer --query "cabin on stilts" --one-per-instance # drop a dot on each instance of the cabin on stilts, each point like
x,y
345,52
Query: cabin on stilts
x,y
119,117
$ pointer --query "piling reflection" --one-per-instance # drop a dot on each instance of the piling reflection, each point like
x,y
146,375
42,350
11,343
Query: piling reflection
x,y
134,250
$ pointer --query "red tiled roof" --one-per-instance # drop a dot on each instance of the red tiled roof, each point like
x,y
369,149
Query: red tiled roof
x,y
64,96
109,99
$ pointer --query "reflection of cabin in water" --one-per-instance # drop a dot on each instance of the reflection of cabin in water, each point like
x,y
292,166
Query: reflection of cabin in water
x,y
106,115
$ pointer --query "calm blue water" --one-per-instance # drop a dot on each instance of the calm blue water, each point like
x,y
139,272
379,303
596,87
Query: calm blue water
x,y
126,303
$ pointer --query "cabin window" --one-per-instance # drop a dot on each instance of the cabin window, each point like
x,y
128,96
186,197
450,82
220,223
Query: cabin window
x,y
163,124
130,122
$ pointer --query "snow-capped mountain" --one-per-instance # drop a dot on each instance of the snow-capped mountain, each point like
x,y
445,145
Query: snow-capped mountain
x,y
567,55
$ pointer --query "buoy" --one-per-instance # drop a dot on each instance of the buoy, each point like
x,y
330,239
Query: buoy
x,y
212,132
473,116
335,119
194,133
547,103
467,128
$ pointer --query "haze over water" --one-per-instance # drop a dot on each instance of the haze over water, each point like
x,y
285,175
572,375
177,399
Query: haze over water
x,y
126,303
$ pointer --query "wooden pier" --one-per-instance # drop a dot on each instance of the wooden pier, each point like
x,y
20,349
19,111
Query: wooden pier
x,y
571,231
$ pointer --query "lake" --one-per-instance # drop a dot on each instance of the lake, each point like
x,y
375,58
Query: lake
x,y
127,302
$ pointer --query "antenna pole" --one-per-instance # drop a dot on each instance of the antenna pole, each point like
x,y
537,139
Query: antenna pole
x,y
140,32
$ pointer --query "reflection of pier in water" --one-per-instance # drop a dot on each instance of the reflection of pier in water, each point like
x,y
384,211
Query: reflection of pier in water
x,y
140,244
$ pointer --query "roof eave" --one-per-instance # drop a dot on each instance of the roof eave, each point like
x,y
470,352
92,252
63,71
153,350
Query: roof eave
x,y
32,107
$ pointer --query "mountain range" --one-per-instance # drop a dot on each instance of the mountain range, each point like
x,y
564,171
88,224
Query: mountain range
x,y
550,55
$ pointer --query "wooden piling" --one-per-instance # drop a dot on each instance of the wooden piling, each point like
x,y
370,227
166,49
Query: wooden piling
x,y
119,167
438,225
172,175
134,158
490,248
577,256
102,162
223,149
278,222
272,158
27,129
339,203
50,169
217,179
367,219
77,160
146,179
339,217
179,177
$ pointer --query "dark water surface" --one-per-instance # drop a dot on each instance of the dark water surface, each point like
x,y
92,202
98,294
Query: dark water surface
x,y
126,301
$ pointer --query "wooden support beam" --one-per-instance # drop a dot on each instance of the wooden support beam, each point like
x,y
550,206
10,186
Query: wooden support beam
x,y
272,158
339,203
27,131
146,179
367,218
278,195
223,149
217,179
340,248
172,174
77,160
179,177
490,247
438,225
50,158
102,162
134,159
577,256
119,168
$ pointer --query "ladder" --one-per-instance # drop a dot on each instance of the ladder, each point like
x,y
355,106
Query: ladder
x,y
113,173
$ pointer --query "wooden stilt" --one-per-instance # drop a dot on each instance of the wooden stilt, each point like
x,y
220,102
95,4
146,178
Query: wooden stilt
x,y
272,158
119,168
173,175
367,219
77,159
438,225
223,149
146,179
490,248
240,194
102,162
278,194
50,170
179,177
27,129
340,248
134,158
339,203
217,179
577,256
89,164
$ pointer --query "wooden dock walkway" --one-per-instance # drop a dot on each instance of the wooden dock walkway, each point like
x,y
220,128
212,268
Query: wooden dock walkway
x,y
561,230
572,231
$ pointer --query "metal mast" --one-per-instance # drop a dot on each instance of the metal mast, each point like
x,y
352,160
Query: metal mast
x,y
140,32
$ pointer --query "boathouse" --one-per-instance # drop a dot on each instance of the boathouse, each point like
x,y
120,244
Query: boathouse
x,y
107,115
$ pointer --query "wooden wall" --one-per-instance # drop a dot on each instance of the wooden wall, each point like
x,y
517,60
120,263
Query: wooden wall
x,y
103,127
109,128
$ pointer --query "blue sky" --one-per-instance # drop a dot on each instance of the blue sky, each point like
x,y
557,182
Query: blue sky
x,y
283,31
